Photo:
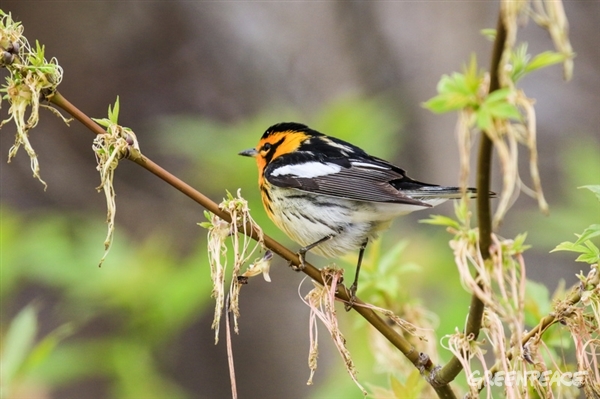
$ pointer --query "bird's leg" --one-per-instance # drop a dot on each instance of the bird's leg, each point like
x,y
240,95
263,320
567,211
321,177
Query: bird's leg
x,y
354,286
302,252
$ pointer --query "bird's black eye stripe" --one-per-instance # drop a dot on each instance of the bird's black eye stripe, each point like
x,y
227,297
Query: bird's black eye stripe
x,y
270,148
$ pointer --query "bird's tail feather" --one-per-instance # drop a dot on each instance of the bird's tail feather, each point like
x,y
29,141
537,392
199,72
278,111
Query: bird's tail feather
x,y
430,192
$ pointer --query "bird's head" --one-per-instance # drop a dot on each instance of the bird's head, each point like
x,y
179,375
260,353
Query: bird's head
x,y
280,139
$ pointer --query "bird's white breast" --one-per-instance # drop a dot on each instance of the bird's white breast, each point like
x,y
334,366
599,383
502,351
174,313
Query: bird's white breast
x,y
306,218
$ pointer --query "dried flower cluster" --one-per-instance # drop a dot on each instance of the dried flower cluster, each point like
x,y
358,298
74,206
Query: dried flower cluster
x,y
321,300
31,78
235,234
500,283
117,143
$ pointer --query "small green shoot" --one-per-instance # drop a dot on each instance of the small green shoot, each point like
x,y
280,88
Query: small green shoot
x,y
590,253
459,90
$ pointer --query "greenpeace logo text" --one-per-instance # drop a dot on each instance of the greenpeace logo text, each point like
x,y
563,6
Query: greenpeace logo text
x,y
532,378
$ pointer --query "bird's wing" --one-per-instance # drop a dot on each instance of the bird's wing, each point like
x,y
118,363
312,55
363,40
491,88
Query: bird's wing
x,y
364,179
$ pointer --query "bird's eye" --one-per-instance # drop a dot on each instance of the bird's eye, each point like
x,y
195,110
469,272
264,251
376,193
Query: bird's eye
x,y
266,147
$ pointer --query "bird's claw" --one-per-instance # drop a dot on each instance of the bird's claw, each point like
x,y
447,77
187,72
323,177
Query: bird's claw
x,y
301,265
352,297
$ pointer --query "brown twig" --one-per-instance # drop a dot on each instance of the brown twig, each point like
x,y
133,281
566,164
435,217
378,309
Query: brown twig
x,y
419,360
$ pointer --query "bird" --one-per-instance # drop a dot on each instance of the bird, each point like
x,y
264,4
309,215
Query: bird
x,y
330,196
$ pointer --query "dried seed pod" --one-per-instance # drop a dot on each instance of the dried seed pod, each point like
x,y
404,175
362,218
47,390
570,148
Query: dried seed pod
x,y
7,58
13,47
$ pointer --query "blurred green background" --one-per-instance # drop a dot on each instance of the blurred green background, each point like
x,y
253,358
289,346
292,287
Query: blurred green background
x,y
199,82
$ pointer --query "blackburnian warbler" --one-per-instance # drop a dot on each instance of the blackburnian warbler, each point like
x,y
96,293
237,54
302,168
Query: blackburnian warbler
x,y
330,196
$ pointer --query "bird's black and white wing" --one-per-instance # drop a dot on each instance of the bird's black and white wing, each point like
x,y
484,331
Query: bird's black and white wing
x,y
371,179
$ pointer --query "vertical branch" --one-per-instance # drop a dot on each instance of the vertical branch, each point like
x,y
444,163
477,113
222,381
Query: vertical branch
x,y
484,166
484,213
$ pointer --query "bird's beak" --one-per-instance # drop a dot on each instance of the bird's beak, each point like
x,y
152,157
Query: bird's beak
x,y
251,152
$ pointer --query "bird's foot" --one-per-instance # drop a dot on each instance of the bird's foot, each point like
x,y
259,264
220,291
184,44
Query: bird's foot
x,y
352,297
301,264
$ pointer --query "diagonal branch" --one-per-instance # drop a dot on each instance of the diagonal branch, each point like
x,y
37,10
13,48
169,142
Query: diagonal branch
x,y
420,360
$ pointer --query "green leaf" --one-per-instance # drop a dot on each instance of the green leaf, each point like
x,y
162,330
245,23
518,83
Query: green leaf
x,y
398,387
518,245
483,118
537,302
451,100
592,247
589,252
473,76
498,95
498,106
206,225
569,246
102,122
594,189
489,33
457,91
17,343
43,349
412,389
440,220
590,258
589,233
505,111
461,210
36,59
415,383
443,103
113,114
545,59
519,59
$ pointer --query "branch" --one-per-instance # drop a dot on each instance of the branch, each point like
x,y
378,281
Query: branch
x,y
420,360
484,215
